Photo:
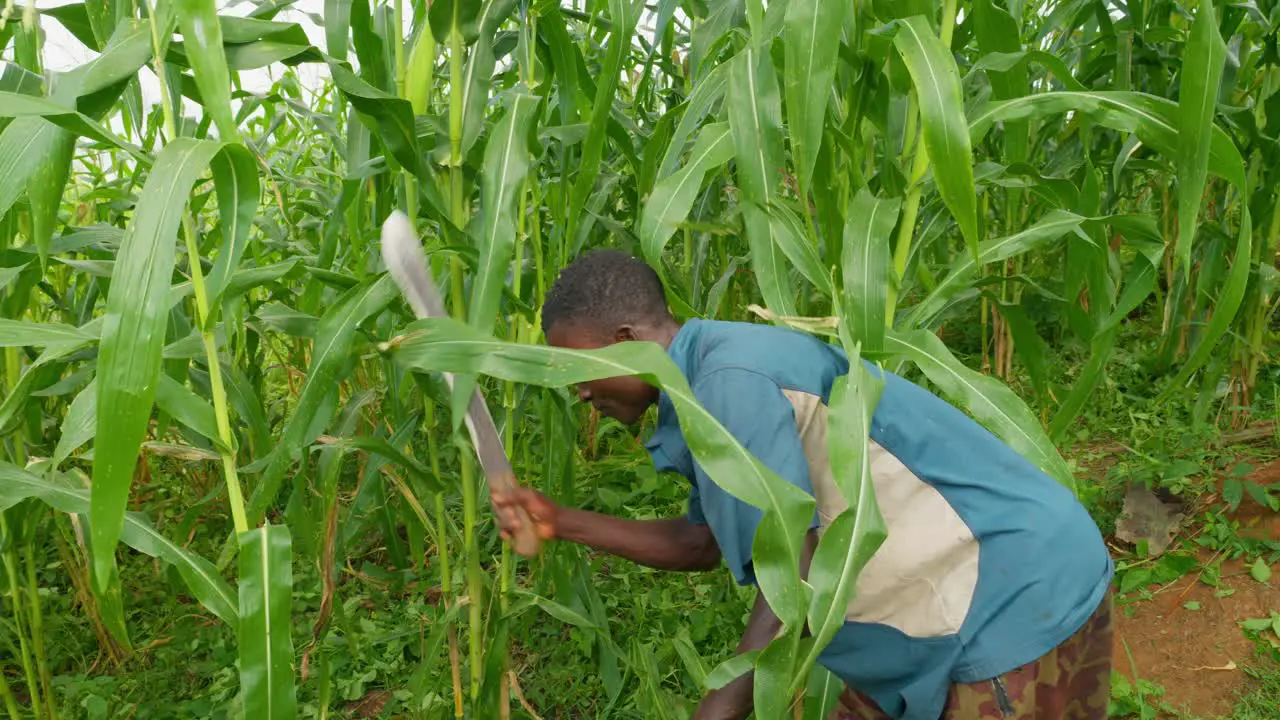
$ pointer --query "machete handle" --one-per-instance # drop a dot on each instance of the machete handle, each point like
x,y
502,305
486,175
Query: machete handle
x,y
525,540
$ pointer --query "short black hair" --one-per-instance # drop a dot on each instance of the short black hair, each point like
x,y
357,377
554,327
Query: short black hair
x,y
605,289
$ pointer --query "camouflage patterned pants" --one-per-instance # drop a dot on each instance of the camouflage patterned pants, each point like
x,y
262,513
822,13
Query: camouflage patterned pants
x,y
1071,682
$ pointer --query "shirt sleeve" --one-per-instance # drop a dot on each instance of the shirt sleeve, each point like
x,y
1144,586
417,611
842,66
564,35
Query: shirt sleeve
x,y
757,413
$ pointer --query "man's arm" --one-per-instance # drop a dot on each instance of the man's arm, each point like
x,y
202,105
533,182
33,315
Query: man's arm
x,y
666,544
735,700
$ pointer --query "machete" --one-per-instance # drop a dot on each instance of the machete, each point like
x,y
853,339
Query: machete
x,y
402,253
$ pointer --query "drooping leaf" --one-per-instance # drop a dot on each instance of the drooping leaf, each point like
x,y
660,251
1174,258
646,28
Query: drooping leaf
x,y
79,424
235,170
132,337
1153,119
790,237
1225,307
673,197
199,574
1052,226
706,93
990,401
193,411
942,121
768,262
20,333
44,191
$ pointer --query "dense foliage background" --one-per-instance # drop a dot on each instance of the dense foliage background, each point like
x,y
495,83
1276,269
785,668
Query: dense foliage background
x,y
233,485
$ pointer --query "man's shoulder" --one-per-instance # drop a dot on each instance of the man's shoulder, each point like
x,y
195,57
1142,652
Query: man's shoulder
x,y
784,356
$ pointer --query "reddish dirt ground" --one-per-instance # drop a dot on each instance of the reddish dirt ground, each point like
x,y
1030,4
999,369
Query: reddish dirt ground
x,y
1178,648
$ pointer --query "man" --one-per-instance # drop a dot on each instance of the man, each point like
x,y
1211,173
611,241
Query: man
x,y
990,596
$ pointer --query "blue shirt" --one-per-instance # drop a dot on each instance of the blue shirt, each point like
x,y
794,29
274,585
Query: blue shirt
x,y
988,564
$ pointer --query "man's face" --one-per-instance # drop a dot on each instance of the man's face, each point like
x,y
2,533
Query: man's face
x,y
623,398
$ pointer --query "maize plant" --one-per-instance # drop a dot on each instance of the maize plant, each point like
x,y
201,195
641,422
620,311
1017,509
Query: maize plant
x,y
193,294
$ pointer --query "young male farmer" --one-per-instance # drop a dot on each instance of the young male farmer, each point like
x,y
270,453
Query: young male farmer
x,y
988,599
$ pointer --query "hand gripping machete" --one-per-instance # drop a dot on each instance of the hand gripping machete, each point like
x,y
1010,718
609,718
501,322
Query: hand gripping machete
x,y
402,253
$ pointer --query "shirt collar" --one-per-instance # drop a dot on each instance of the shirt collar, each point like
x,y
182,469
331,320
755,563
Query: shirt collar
x,y
666,439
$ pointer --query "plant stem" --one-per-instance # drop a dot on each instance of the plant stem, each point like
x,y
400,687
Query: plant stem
x,y
10,704
446,569
37,627
19,626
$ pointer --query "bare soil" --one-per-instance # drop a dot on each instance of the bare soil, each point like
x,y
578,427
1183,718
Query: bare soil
x,y
1185,650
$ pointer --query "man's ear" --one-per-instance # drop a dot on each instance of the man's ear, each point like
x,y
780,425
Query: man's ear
x,y
624,333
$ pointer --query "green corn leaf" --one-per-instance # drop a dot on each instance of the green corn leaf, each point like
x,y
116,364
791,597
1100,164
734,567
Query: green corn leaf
x,y
987,399
234,169
1052,226
755,117
865,258
768,262
506,162
1153,119
390,117
183,405
790,236
133,335
706,93
44,191
330,363
856,533
561,612
479,69
128,51
24,145
20,333
247,279
999,64
811,41
199,574
672,198
202,40
821,694
624,19
1225,306
731,669
9,274
79,424
337,28
266,644
17,395
1090,375
942,121
1202,66
775,668
449,346
1027,344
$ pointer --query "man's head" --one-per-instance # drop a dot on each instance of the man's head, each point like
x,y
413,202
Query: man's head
x,y
602,298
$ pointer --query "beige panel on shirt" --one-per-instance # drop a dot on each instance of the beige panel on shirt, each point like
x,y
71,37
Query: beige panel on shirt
x,y
922,579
